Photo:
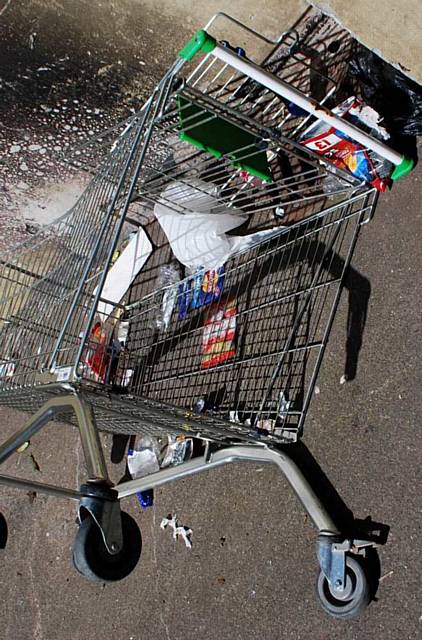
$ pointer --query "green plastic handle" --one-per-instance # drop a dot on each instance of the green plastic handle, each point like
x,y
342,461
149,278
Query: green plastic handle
x,y
201,41
402,169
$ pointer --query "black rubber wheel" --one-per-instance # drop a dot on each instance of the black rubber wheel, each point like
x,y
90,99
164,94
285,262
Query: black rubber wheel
x,y
356,596
92,559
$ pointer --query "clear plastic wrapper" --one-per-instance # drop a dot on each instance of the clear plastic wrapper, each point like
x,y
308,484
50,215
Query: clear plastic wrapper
x,y
168,280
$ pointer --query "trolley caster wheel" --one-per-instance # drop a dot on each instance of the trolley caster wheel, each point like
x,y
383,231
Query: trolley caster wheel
x,y
356,595
92,559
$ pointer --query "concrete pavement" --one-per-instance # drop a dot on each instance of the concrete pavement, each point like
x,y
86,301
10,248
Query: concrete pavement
x,y
251,571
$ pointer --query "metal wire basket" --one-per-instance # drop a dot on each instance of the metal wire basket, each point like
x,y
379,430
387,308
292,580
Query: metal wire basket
x,y
237,371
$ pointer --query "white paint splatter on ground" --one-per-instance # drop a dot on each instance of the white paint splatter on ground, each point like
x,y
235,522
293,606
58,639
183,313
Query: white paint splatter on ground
x,y
5,7
48,204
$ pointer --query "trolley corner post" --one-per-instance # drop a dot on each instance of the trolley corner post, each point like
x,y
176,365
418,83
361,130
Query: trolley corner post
x,y
91,445
96,496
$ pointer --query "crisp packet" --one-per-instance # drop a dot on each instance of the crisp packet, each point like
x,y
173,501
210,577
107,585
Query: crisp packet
x,y
212,286
344,152
195,302
207,287
219,336
183,298
201,290
102,354
96,357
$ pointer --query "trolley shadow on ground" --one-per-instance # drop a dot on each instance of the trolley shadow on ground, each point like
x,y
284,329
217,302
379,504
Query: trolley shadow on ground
x,y
351,527
315,252
3,532
358,290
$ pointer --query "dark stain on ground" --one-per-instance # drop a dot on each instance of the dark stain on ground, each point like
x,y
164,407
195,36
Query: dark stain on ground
x,y
80,53
69,71
58,68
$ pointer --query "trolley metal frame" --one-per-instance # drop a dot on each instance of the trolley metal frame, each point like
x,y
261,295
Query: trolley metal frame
x,y
51,289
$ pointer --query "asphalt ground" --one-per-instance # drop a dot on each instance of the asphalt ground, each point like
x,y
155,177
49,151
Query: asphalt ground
x,y
252,568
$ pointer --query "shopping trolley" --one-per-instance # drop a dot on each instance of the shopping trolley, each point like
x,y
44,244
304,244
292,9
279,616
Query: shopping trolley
x,y
234,369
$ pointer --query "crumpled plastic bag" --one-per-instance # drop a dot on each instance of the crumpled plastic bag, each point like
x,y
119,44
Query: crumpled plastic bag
x,y
195,222
397,98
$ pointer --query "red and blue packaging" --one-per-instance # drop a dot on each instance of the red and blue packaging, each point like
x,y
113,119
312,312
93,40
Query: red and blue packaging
x,y
219,336
344,152
204,288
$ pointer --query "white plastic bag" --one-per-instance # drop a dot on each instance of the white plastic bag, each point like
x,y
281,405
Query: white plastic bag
x,y
195,223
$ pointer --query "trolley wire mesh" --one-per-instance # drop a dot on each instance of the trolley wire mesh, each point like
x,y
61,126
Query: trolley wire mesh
x,y
284,293
49,285
243,366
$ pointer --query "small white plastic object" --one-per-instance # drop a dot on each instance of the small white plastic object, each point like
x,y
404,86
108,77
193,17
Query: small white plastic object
x,y
178,450
283,406
7,368
184,532
23,447
122,332
143,460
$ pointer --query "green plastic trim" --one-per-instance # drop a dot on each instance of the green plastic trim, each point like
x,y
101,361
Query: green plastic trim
x,y
201,41
402,169
233,161
245,166
187,138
